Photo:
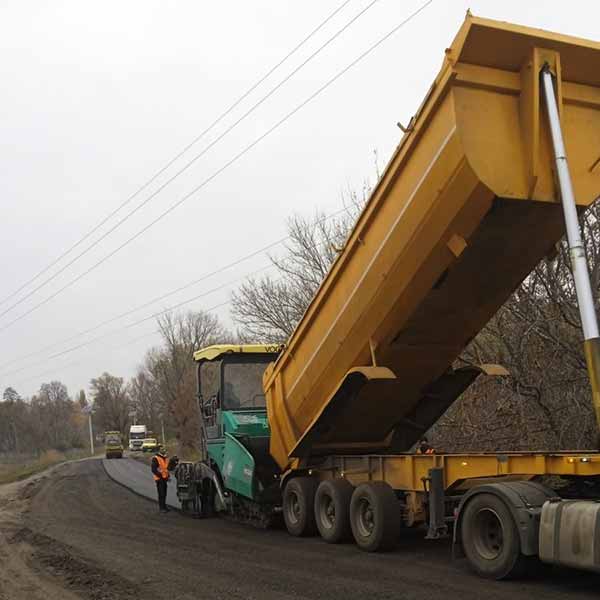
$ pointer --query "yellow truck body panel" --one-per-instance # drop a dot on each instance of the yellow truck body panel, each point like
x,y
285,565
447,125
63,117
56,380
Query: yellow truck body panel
x,y
465,209
217,350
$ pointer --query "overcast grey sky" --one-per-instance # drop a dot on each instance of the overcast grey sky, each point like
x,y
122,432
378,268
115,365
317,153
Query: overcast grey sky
x,y
97,96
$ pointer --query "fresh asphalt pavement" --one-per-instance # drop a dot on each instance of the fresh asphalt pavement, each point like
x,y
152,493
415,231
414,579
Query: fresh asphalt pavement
x,y
98,540
137,476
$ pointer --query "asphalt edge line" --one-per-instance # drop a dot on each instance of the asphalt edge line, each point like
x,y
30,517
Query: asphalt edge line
x,y
47,470
134,491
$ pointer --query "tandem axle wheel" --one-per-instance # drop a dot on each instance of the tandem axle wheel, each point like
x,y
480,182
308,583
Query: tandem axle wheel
x,y
370,513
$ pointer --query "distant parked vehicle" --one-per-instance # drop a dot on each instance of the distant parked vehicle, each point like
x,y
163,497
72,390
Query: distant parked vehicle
x,y
150,445
113,444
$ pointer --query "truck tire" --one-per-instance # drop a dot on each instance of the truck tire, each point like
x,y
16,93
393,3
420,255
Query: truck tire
x,y
332,510
375,516
490,538
298,506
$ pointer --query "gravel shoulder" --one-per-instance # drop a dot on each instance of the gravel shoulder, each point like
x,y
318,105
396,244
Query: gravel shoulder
x,y
74,533
19,576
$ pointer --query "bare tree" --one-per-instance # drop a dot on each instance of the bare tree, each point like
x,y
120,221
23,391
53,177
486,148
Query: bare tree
x,y
545,403
49,420
10,395
268,309
172,369
146,398
56,409
14,421
81,399
111,402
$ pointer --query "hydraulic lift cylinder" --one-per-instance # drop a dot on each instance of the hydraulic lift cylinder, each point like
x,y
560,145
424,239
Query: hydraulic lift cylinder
x,y
583,288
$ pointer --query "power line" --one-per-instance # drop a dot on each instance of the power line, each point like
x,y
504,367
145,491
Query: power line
x,y
231,161
157,314
79,361
327,84
141,306
180,154
165,310
139,321
119,346
189,163
204,277
135,340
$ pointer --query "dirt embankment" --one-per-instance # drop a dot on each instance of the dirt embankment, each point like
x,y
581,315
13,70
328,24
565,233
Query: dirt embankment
x,y
35,566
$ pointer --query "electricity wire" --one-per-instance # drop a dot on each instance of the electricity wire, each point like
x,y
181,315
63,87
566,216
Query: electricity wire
x,y
181,288
164,168
231,161
185,167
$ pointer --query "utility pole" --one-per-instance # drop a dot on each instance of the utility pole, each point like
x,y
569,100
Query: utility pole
x,y
91,434
162,423
14,428
89,409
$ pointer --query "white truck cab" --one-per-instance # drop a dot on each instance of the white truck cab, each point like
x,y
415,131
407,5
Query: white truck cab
x,y
137,434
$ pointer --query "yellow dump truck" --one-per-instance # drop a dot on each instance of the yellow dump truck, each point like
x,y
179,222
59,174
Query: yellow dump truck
x,y
502,153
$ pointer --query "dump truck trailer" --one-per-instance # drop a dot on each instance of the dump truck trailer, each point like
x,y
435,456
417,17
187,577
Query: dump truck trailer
x,y
494,166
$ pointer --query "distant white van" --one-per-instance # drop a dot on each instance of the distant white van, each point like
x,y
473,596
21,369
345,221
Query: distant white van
x,y
137,434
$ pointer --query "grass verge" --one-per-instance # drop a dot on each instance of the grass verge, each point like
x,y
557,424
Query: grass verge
x,y
16,468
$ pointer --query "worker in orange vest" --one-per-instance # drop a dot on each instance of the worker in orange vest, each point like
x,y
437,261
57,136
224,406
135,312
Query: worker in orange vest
x,y
424,447
161,467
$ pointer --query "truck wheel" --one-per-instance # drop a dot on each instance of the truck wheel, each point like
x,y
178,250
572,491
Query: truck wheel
x,y
332,510
490,538
298,506
375,516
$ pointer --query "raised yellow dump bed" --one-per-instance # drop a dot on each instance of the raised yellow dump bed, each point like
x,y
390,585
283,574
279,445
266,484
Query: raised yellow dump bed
x,y
465,209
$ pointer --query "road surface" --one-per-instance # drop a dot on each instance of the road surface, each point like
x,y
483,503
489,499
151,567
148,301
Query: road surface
x,y
137,477
81,532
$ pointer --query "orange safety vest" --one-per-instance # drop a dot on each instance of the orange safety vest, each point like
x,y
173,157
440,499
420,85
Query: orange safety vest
x,y
163,464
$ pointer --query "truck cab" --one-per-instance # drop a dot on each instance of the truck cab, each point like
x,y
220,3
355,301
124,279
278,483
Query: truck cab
x,y
137,435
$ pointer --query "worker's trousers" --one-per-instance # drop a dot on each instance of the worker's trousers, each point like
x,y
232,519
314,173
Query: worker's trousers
x,y
161,486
